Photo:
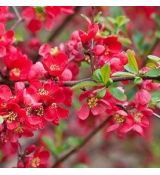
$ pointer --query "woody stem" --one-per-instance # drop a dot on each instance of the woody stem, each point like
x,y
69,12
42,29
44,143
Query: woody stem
x,y
83,143
115,79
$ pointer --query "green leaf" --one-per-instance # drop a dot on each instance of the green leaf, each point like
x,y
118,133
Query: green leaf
x,y
101,93
121,20
50,144
153,73
132,63
122,74
97,75
105,73
84,84
138,80
154,58
99,18
117,93
74,141
129,69
1,120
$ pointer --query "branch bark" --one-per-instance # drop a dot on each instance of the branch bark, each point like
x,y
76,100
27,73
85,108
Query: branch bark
x,y
115,79
63,25
83,143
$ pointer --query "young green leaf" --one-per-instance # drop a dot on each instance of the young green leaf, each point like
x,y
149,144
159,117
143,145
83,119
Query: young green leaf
x,y
153,73
105,73
50,144
122,74
101,93
117,93
97,75
154,58
132,63
121,20
138,80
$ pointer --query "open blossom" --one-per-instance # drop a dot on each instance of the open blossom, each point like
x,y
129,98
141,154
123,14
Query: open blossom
x,y
54,93
35,157
54,60
91,104
18,64
38,17
136,117
44,102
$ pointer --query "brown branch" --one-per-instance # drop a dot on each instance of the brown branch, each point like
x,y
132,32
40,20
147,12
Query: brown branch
x,y
83,143
63,25
115,79
19,18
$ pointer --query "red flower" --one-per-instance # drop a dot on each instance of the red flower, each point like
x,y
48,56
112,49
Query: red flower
x,y
18,64
13,115
39,16
120,122
55,61
44,100
92,31
93,104
38,159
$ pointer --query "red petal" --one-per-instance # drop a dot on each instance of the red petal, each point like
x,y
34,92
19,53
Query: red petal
x,y
44,156
83,113
98,109
51,114
63,113
138,129
112,127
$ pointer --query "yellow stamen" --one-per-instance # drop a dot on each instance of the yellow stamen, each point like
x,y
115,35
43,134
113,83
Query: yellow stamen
x,y
92,102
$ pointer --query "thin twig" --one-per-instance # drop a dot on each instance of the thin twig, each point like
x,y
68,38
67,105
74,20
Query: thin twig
x,y
84,142
19,18
63,25
156,115
115,79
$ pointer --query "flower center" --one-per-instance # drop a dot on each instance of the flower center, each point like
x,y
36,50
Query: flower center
x,y
35,162
11,116
92,102
42,91
138,117
54,67
16,72
119,118
39,111
19,130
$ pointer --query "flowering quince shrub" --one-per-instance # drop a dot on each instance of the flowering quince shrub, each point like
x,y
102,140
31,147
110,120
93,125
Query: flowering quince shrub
x,y
58,99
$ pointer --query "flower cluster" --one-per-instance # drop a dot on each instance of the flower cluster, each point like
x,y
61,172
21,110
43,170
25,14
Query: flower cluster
x,y
36,94
36,17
